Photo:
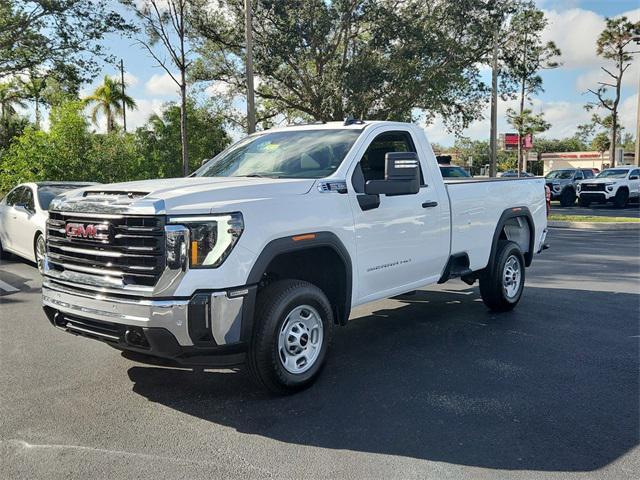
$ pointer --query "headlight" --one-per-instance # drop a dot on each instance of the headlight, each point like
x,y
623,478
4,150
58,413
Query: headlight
x,y
211,238
556,187
609,188
578,187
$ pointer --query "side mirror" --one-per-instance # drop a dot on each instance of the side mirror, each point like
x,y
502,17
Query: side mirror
x,y
401,176
204,160
634,177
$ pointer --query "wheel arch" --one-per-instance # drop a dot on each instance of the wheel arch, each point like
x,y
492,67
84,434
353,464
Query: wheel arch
x,y
504,232
319,258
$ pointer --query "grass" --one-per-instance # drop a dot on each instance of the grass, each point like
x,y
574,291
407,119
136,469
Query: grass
x,y
554,217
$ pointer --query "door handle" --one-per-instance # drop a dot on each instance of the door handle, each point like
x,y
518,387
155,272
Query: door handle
x,y
429,204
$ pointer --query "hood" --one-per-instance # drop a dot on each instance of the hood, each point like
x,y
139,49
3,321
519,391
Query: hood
x,y
178,195
602,180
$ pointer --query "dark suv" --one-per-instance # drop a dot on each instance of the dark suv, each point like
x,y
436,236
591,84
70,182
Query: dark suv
x,y
562,183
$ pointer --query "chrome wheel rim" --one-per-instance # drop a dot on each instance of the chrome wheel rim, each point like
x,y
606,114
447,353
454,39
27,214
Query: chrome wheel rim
x,y
41,249
511,277
300,339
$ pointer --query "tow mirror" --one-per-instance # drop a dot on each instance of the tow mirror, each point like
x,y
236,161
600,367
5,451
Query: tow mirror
x,y
401,176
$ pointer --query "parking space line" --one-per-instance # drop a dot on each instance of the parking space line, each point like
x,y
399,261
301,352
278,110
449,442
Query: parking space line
x,y
8,288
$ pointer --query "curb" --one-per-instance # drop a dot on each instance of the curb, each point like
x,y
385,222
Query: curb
x,y
596,225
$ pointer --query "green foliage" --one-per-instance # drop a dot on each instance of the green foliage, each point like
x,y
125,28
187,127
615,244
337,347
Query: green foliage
x,y
107,100
479,152
527,122
69,151
601,142
160,144
373,59
570,144
55,33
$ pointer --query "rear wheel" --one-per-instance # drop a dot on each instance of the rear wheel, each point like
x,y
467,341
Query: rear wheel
x,y
568,197
502,283
292,333
622,198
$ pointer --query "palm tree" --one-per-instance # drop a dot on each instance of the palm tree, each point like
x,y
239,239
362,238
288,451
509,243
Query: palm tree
x,y
10,98
108,99
33,87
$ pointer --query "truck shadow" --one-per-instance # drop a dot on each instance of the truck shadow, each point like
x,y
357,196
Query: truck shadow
x,y
440,378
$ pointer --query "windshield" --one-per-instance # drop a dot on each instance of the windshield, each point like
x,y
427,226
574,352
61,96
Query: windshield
x,y
613,173
46,193
449,172
560,174
292,154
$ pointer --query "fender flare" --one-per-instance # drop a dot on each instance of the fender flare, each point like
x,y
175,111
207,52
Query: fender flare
x,y
284,245
509,213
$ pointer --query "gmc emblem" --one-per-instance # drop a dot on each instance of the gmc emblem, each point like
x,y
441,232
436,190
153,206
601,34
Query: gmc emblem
x,y
87,231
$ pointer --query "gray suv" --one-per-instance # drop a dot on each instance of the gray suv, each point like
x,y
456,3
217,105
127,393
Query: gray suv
x,y
562,183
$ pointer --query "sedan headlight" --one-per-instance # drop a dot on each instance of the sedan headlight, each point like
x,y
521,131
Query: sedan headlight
x,y
211,238
556,187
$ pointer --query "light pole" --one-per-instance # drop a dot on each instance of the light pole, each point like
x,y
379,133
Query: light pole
x,y
248,31
124,106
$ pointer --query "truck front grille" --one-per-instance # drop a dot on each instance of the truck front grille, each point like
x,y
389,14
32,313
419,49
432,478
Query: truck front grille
x,y
592,187
126,248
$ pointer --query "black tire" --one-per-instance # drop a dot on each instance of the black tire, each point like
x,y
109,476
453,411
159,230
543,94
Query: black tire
x,y
4,255
568,197
494,294
583,202
273,306
622,198
39,238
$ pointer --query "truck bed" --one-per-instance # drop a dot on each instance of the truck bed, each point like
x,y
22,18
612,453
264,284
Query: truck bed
x,y
476,208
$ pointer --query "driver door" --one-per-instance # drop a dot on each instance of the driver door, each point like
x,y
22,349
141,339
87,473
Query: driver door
x,y
23,225
398,237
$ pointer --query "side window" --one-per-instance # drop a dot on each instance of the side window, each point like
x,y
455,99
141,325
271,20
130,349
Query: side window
x,y
588,173
371,166
14,196
579,175
635,173
27,199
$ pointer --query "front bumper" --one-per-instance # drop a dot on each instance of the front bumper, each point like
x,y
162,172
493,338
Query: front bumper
x,y
209,328
596,196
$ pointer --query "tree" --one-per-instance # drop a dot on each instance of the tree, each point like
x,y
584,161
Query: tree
x,y
108,99
373,59
10,98
612,44
525,55
601,143
33,87
47,33
164,22
159,139
526,123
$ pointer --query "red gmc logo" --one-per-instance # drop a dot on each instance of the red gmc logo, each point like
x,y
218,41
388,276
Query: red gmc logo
x,y
90,232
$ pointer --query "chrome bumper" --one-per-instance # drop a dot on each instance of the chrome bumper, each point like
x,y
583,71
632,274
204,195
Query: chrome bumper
x,y
223,315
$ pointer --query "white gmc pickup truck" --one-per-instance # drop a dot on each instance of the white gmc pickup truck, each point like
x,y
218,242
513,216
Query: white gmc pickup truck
x,y
259,255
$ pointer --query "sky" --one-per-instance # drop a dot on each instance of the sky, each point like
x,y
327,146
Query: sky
x,y
574,26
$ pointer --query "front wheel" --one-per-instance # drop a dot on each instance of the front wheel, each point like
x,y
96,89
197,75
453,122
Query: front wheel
x,y
502,283
292,333
39,250
621,199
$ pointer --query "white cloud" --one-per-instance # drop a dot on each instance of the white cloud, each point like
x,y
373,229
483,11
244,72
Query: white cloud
x,y
628,114
575,31
130,79
218,89
592,77
161,85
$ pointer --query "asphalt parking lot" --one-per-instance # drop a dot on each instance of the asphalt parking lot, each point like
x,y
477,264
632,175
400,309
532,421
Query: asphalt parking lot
x,y
431,386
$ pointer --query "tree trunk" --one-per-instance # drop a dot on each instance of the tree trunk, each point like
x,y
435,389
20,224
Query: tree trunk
x,y
37,101
493,140
183,126
612,147
520,132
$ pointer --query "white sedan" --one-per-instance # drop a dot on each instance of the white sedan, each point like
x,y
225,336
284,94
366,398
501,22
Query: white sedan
x,y
23,217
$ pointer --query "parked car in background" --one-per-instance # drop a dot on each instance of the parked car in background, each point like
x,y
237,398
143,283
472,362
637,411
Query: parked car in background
x,y
514,173
617,185
563,183
453,171
24,214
